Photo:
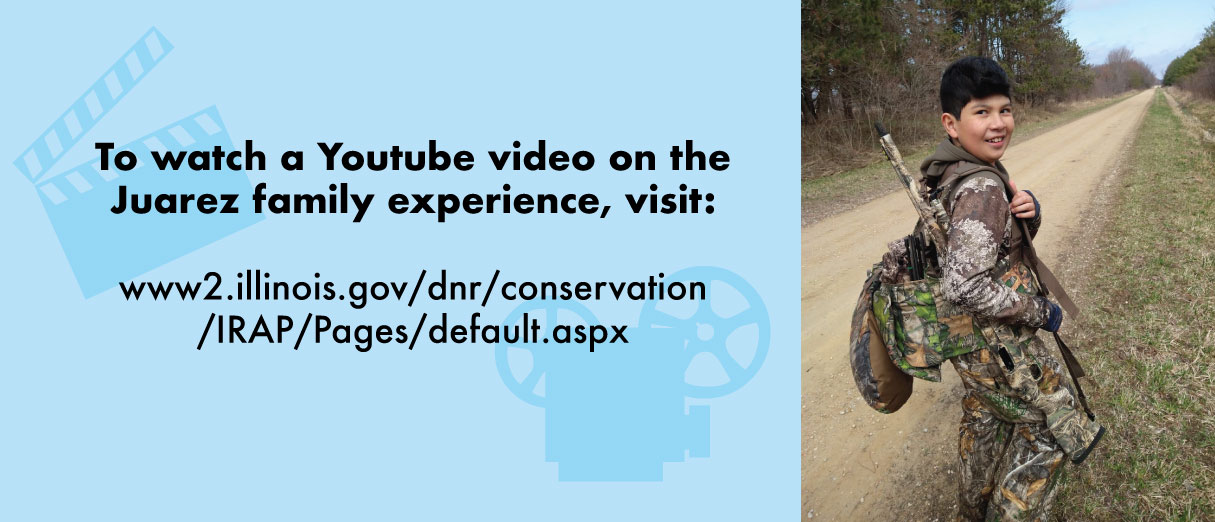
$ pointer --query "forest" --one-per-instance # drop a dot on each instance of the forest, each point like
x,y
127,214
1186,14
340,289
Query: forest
x,y
881,60
1194,71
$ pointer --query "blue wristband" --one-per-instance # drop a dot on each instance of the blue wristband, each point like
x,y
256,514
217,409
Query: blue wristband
x,y
1037,206
1054,319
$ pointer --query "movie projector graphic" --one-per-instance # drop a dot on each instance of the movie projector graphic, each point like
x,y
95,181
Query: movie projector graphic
x,y
618,413
101,247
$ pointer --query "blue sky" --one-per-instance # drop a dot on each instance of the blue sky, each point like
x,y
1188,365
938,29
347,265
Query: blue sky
x,y
1155,32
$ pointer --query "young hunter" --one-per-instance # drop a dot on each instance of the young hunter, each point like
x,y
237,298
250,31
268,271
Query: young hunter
x,y
1019,419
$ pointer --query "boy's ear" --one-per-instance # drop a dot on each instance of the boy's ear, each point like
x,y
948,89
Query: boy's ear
x,y
950,123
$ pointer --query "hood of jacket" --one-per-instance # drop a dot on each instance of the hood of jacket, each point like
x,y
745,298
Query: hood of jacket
x,y
946,154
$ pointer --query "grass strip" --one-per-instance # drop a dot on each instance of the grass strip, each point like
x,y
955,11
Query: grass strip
x,y
1148,337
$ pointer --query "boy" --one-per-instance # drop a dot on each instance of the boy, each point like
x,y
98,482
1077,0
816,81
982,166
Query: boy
x,y
1019,419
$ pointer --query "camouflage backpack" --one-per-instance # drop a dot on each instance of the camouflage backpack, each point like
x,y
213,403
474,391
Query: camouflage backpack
x,y
882,384
901,313
907,329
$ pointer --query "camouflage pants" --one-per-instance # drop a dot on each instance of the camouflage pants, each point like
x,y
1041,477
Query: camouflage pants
x,y
1010,461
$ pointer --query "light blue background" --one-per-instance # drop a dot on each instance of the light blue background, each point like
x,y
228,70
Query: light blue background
x,y
108,412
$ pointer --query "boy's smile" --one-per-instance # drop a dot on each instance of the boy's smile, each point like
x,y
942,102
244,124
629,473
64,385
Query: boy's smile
x,y
984,128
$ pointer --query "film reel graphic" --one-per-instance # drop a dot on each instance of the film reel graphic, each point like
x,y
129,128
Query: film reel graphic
x,y
691,329
525,388
620,413
103,248
707,332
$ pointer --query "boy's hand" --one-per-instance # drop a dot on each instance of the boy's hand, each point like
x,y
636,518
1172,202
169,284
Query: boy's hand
x,y
1023,204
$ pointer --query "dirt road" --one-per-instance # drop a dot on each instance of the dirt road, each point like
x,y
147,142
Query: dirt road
x,y
858,464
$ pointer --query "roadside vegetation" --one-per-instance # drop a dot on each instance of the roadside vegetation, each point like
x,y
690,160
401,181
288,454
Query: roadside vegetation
x,y
1194,71
1148,334
881,61
827,195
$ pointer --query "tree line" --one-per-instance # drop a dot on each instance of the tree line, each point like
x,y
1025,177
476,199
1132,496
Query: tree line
x,y
1195,70
875,51
1120,72
864,60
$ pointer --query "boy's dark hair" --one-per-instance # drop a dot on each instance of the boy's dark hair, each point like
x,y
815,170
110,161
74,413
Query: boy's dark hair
x,y
970,78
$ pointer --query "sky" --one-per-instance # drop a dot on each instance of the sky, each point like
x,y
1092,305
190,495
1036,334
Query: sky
x,y
1154,31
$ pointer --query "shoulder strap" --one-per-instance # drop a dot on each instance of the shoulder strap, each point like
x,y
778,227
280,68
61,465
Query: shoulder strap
x,y
1022,240
1023,247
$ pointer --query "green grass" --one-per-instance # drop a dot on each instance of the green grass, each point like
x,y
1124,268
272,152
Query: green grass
x,y
831,194
1148,337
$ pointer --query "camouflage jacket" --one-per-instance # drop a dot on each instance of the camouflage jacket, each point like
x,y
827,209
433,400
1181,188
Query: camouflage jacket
x,y
980,240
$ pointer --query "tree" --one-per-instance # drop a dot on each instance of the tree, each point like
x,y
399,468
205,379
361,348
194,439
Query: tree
x,y
882,59
1185,68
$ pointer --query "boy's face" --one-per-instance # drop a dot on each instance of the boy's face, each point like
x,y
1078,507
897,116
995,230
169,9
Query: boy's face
x,y
984,128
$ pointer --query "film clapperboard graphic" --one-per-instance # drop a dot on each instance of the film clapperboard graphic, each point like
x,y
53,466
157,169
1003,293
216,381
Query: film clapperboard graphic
x,y
104,248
